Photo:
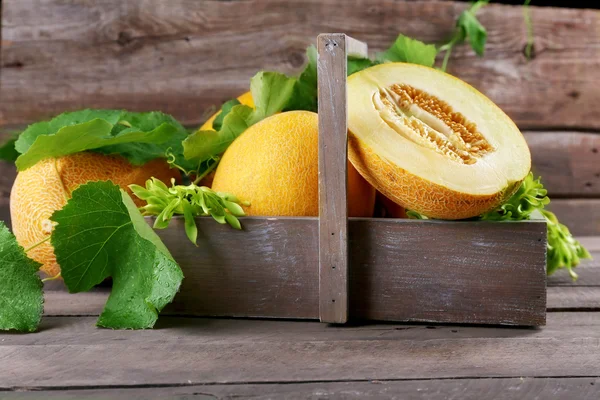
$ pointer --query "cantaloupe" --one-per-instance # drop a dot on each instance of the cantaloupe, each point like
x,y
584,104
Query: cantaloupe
x,y
44,188
274,166
432,143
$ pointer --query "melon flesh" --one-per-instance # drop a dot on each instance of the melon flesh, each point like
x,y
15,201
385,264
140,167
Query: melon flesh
x,y
432,143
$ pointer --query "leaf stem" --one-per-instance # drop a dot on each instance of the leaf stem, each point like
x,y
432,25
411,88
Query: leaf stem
x,y
448,48
206,172
27,250
529,26
62,183
52,278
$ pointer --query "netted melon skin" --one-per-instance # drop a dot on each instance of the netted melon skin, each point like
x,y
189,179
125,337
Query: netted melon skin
x,y
417,194
38,191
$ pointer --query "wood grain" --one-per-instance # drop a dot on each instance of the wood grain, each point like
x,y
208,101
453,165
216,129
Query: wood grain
x,y
582,216
588,271
399,270
574,298
430,389
568,162
72,352
333,178
189,56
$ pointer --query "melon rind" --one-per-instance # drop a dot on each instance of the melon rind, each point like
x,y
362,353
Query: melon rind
x,y
419,178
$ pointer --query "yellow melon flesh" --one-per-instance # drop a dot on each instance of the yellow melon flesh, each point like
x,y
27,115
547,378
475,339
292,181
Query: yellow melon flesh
x,y
274,166
42,189
432,143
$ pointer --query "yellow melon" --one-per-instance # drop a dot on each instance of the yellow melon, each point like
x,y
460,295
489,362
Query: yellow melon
x,y
44,188
274,166
245,99
431,143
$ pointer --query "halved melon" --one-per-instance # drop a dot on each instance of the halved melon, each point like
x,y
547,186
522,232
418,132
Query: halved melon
x,y
432,143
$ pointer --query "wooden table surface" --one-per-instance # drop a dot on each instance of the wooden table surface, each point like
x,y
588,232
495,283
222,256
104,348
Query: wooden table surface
x,y
204,358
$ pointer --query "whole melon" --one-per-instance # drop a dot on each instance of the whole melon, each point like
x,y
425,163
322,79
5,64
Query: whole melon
x,y
44,188
432,143
274,166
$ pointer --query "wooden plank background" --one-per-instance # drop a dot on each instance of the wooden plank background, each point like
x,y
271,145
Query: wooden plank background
x,y
187,56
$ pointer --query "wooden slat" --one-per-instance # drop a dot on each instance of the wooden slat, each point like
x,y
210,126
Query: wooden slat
x,y
588,271
582,216
573,298
172,330
333,178
189,56
569,162
431,389
72,352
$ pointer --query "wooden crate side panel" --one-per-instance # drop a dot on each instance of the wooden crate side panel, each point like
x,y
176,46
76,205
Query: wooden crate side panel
x,y
399,270
269,269
449,272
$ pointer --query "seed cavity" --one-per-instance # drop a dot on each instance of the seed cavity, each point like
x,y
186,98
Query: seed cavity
x,y
430,122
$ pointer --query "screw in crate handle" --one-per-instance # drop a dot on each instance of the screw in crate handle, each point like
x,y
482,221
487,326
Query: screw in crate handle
x,y
333,50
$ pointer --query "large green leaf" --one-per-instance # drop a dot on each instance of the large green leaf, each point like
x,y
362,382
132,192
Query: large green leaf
x,y
271,92
99,234
409,50
139,137
21,298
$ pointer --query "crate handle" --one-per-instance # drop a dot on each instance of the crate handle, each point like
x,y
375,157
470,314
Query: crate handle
x,y
333,49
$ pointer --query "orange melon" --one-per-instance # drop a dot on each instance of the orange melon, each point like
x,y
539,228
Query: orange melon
x,y
274,166
431,143
44,188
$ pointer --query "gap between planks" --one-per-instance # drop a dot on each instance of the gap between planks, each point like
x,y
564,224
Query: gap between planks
x,y
298,386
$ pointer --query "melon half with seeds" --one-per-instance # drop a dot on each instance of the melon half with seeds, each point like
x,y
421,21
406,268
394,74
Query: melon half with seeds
x,y
432,143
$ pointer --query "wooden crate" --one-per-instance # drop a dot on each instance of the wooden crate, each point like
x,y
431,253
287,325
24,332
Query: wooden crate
x,y
333,268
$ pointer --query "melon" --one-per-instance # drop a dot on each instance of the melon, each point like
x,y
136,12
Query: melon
x,y
45,187
273,165
432,143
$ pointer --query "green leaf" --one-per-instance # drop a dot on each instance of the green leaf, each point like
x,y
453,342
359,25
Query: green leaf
x,y
21,297
304,96
225,109
271,92
139,137
7,148
530,196
99,234
190,201
356,64
473,30
409,50
564,251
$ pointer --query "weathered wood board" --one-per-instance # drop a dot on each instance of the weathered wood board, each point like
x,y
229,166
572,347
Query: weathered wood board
x,y
469,272
72,352
430,389
184,57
